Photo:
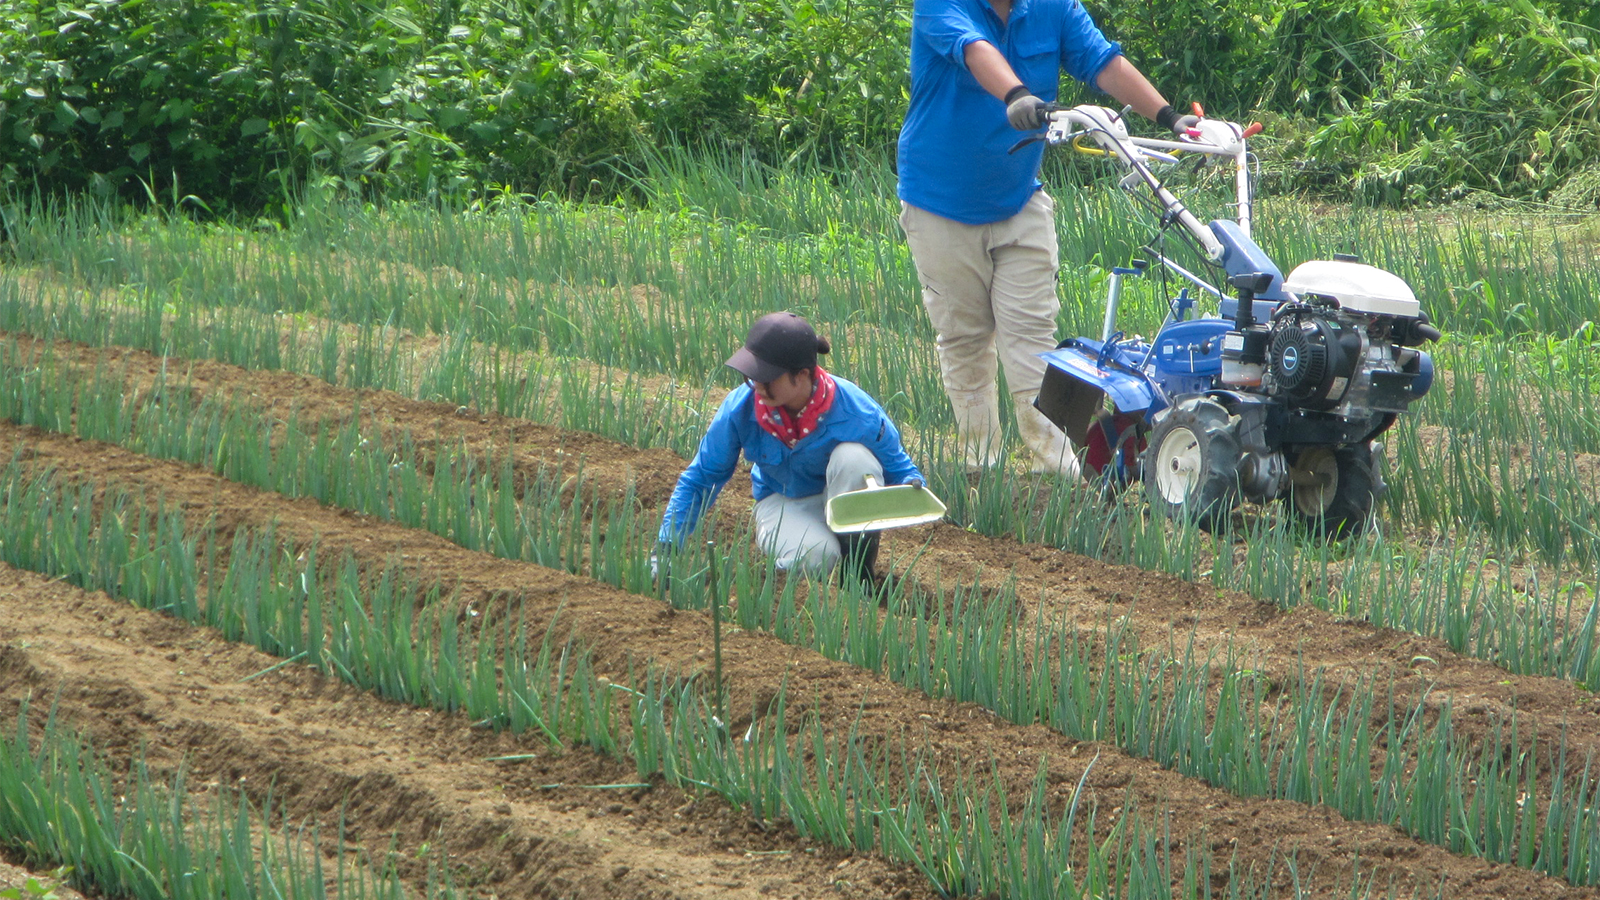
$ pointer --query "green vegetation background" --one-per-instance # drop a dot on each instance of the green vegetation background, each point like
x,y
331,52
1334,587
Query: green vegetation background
x,y
242,103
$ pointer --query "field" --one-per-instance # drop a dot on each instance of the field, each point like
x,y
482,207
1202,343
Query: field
x,y
327,547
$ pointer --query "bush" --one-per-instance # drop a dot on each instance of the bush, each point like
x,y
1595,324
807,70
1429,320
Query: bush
x,y
1212,51
1486,95
224,100
242,104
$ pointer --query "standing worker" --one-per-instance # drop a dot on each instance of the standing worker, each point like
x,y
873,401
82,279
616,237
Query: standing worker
x,y
980,226
809,435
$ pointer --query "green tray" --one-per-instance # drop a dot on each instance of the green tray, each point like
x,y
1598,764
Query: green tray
x,y
875,508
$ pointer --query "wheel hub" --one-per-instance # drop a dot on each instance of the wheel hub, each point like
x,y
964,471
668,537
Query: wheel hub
x,y
1178,465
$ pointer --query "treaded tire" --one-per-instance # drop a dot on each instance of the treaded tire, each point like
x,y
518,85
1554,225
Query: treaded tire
x,y
1191,466
1332,488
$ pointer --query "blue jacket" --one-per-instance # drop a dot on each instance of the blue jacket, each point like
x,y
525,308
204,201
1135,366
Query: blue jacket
x,y
953,157
775,468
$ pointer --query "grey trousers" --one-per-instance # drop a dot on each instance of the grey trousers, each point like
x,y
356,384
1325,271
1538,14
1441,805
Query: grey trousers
x,y
795,529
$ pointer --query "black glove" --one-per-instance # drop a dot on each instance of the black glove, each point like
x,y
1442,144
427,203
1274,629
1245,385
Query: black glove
x,y
916,482
1024,111
1169,119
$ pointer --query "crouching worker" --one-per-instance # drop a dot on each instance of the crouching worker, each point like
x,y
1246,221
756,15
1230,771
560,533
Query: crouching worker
x,y
808,435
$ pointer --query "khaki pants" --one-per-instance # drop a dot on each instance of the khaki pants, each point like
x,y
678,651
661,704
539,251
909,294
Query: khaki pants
x,y
990,291
795,529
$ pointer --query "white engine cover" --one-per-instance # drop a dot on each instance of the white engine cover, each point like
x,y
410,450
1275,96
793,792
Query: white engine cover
x,y
1357,286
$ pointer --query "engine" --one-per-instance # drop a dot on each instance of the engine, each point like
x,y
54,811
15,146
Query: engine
x,y
1312,355
1346,347
1339,357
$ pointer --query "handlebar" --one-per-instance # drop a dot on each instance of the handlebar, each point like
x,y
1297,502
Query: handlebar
x,y
1106,127
1078,125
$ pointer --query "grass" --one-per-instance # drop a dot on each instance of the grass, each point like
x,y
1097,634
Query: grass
x,y
1516,409
962,646
665,291
140,835
1444,590
1489,479
363,627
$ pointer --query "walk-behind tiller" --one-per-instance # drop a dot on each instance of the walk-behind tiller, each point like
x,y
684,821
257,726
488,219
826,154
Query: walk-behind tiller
x,y
1284,394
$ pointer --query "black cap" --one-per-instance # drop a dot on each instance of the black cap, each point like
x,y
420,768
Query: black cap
x,y
778,343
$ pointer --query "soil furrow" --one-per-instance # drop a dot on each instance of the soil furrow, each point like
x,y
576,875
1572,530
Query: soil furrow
x,y
1084,592
627,629
281,395
402,777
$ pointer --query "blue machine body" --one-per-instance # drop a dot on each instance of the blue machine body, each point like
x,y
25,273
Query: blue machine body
x,y
1188,355
1114,369
1243,256
1424,379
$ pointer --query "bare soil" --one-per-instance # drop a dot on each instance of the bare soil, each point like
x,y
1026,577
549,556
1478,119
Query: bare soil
x,y
133,679
138,681
17,878
1157,609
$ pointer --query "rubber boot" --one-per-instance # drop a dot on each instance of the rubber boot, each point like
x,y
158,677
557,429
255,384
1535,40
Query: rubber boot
x,y
859,556
978,425
1052,453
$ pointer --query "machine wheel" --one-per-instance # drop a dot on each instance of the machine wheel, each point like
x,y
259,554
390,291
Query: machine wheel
x,y
1191,468
1332,488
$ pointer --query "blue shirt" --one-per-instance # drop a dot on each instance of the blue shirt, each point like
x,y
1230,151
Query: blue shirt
x,y
953,157
776,468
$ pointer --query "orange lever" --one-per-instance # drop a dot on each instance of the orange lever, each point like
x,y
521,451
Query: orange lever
x,y
1253,129
1198,109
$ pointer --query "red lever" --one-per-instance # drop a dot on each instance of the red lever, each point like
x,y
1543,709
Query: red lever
x,y
1253,129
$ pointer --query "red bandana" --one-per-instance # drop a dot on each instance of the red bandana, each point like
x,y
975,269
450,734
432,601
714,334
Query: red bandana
x,y
791,428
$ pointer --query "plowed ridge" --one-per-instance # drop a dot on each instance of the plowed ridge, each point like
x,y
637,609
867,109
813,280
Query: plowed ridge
x,y
1156,608
403,778
626,629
